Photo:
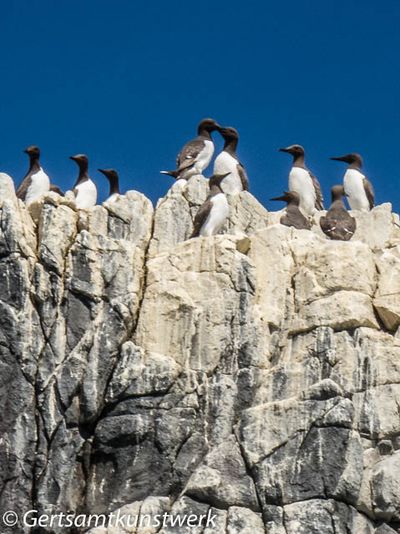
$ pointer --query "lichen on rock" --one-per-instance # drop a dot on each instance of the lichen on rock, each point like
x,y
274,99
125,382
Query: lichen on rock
x,y
254,374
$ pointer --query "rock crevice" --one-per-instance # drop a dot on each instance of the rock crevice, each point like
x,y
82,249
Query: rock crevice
x,y
255,373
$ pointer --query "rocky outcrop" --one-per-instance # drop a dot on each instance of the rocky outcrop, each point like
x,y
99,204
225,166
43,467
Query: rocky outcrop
x,y
254,375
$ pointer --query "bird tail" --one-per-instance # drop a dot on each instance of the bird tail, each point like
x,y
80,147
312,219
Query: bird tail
x,y
175,173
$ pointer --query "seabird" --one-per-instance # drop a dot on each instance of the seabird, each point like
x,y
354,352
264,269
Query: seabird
x,y
84,189
228,162
304,182
338,223
197,153
293,215
56,189
36,182
214,211
113,179
357,187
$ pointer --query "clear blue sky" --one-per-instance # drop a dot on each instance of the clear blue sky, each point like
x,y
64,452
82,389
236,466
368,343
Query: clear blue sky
x,y
127,81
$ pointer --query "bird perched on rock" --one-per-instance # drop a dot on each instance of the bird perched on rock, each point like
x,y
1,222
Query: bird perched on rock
x,y
304,182
84,189
197,153
112,177
56,189
338,223
357,187
214,211
293,215
36,182
228,162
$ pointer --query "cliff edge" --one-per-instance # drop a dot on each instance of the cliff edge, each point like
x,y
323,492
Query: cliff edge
x,y
255,374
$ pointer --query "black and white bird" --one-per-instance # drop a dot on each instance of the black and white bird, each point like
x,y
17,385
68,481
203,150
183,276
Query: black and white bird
x,y
358,188
113,179
304,182
36,182
85,189
338,223
196,155
214,211
293,215
228,162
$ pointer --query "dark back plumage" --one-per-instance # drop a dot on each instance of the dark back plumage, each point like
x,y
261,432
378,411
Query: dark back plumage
x,y
188,155
338,223
293,216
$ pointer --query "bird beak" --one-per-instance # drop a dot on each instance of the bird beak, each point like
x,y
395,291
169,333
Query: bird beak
x,y
341,158
283,198
284,150
26,151
72,157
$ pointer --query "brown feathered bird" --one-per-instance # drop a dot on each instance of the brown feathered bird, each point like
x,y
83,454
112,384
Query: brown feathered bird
x,y
197,153
338,223
293,216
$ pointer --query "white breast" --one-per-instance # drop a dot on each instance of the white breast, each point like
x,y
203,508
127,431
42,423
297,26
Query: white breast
x,y
39,185
301,182
224,163
217,216
86,195
354,189
202,160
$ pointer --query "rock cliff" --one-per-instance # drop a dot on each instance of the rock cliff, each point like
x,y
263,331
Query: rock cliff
x,y
255,374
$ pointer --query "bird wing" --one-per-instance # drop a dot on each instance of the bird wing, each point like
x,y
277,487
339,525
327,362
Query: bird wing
x,y
23,187
329,225
338,228
369,191
201,217
243,176
294,217
319,201
187,156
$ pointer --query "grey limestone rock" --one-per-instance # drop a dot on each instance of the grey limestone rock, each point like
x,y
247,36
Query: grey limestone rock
x,y
253,376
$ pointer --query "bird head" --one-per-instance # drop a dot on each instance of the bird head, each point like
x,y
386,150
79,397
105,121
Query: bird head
x,y
80,159
33,151
83,163
337,192
209,125
289,196
294,150
229,133
352,158
111,174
